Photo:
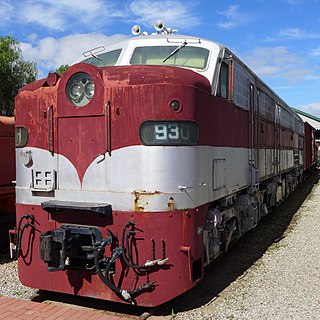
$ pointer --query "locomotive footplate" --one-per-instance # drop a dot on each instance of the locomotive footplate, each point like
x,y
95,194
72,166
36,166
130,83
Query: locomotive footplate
x,y
70,247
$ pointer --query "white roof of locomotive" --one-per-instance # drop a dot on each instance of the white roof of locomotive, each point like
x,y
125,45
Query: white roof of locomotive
x,y
159,39
216,50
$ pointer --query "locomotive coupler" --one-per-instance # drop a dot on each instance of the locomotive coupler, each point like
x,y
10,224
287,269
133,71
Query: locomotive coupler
x,y
70,247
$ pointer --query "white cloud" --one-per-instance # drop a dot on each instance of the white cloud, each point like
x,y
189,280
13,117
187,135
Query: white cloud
x,y
292,2
50,53
293,34
73,15
316,52
297,34
62,15
175,14
33,37
311,108
278,62
6,12
45,16
234,18
65,16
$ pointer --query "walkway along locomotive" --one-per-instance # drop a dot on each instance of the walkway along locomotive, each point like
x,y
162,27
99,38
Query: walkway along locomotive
x,y
7,176
142,163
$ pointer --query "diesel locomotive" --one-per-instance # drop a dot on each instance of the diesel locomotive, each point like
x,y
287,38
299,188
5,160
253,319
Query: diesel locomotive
x,y
143,162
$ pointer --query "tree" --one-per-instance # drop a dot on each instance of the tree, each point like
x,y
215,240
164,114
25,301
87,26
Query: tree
x,y
62,69
14,73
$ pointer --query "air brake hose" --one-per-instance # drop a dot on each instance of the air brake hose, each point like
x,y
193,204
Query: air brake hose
x,y
124,249
20,231
97,253
105,279
97,266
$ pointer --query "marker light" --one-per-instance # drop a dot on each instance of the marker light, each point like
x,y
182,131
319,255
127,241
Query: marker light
x,y
175,105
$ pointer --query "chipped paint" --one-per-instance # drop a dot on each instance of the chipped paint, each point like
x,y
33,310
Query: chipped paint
x,y
141,198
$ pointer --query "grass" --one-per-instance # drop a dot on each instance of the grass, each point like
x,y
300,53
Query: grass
x,y
276,246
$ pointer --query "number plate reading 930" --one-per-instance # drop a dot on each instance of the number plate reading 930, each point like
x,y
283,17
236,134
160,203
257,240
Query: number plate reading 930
x,y
169,133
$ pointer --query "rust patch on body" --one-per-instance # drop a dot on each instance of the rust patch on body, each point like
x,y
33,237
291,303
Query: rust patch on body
x,y
141,198
171,204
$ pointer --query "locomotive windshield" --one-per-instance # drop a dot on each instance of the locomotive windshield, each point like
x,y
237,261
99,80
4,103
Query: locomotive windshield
x,y
190,57
105,59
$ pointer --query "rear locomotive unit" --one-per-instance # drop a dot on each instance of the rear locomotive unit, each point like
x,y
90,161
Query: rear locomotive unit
x,y
310,149
142,163
7,177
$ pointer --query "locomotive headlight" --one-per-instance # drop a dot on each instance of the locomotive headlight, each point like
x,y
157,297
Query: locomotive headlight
x,y
80,89
89,89
76,91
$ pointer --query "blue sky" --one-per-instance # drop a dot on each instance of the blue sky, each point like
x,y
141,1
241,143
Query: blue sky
x,y
278,39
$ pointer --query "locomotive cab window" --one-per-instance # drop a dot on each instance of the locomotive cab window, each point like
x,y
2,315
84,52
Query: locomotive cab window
x,y
189,57
223,81
105,59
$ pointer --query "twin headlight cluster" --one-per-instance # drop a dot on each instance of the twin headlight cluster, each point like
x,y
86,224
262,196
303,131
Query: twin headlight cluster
x,y
80,89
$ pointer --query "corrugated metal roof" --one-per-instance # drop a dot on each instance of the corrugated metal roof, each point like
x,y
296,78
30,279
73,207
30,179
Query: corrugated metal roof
x,y
312,120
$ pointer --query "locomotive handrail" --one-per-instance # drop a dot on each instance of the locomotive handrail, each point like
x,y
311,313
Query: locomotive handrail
x,y
108,127
50,129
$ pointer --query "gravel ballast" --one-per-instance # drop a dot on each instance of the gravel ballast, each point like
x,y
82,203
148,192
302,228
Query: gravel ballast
x,y
10,285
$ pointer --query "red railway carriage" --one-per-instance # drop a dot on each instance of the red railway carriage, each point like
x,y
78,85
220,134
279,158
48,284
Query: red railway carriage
x,y
142,163
310,148
7,176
